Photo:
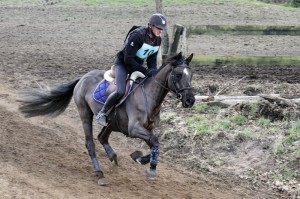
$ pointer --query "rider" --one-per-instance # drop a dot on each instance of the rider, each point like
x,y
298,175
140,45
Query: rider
x,y
142,43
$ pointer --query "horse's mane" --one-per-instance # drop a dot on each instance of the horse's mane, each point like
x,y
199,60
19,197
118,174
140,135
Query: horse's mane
x,y
174,60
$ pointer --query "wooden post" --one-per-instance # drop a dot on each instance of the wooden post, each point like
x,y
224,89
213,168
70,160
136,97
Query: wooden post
x,y
177,32
164,36
183,45
159,7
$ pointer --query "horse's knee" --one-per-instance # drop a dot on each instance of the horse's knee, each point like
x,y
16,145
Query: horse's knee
x,y
154,141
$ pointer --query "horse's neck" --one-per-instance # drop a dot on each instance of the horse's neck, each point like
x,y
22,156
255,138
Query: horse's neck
x,y
158,88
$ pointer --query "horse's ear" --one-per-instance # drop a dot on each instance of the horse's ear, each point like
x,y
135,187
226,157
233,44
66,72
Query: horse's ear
x,y
178,56
189,59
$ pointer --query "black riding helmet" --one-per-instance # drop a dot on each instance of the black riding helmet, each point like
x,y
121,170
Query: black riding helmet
x,y
158,20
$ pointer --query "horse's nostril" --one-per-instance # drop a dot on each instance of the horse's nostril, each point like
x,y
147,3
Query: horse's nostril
x,y
191,101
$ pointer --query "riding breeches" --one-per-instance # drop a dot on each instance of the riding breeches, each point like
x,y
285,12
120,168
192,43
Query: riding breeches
x,y
121,73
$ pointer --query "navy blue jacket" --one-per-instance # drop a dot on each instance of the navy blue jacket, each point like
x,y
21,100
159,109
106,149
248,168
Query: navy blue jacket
x,y
139,47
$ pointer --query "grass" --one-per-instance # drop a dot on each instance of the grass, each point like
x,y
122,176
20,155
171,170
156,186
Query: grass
x,y
14,2
285,174
278,148
264,122
247,60
224,124
253,109
199,125
204,107
294,133
238,119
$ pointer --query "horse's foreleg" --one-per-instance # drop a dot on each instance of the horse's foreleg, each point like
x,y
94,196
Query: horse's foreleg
x,y
154,152
139,158
152,141
103,139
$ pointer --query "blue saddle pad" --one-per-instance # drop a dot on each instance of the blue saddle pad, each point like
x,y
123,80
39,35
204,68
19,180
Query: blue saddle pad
x,y
99,94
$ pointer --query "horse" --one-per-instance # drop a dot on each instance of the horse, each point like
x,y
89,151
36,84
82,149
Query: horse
x,y
136,117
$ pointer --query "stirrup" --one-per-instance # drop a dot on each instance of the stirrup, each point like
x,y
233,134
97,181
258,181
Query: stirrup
x,y
101,118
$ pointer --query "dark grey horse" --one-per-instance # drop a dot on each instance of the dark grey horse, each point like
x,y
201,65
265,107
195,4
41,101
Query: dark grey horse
x,y
136,117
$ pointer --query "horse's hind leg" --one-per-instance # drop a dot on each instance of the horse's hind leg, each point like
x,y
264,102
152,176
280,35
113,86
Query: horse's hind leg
x,y
103,139
86,116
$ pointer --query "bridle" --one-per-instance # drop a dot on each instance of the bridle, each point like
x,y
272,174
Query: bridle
x,y
177,91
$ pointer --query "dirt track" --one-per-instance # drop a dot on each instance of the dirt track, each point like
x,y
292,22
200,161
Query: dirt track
x,y
43,158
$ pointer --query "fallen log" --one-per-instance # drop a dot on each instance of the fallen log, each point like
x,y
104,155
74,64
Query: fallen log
x,y
225,101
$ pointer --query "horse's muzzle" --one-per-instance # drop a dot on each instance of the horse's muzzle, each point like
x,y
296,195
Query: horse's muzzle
x,y
188,100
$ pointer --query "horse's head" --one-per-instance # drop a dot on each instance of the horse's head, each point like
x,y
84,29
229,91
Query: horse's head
x,y
179,80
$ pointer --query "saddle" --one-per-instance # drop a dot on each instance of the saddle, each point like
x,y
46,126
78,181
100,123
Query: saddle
x,y
108,85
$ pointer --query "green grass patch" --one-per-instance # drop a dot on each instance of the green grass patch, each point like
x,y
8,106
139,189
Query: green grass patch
x,y
199,125
223,124
278,148
243,30
238,119
285,174
16,2
294,133
204,107
248,134
264,122
246,60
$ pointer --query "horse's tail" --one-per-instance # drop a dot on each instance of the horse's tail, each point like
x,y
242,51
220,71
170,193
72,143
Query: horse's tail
x,y
47,101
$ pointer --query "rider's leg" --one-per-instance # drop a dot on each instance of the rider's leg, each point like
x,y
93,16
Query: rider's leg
x,y
120,76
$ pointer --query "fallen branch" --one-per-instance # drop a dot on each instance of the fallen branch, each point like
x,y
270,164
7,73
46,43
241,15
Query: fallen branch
x,y
224,101
225,88
279,100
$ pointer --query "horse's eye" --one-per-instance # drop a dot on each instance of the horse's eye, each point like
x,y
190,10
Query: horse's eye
x,y
178,76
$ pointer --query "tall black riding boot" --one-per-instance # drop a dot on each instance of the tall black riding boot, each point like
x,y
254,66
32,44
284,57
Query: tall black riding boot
x,y
103,113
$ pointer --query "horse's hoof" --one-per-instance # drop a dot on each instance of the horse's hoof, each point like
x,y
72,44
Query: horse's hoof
x,y
113,157
151,174
135,155
114,167
102,182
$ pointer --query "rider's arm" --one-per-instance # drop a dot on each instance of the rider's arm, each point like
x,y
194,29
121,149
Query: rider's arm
x,y
133,44
152,61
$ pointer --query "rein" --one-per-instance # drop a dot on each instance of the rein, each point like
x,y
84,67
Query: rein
x,y
177,90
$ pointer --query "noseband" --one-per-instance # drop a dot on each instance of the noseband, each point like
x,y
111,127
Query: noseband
x,y
177,91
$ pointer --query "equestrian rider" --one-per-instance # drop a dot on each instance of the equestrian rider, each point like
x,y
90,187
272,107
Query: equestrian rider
x,y
141,44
